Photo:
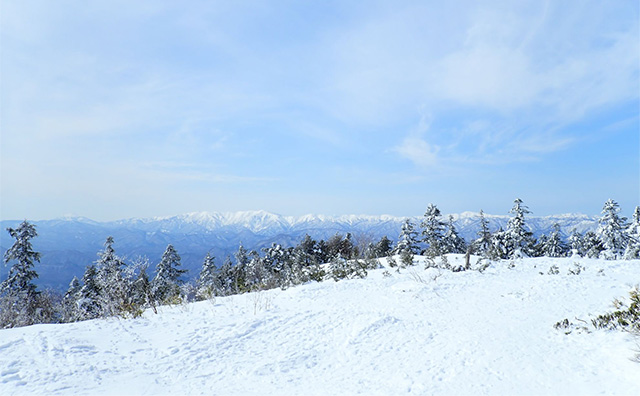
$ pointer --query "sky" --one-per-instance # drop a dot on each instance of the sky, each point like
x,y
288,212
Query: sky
x,y
116,109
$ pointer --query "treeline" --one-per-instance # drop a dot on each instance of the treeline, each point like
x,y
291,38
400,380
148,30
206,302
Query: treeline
x,y
112,287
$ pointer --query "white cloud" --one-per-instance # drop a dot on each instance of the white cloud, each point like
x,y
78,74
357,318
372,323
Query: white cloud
x,y
415,147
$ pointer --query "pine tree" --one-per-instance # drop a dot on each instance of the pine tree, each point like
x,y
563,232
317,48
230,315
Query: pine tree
x,y
482,245
433,231
383,248
166,284
612,231
69,302
206,283
225,278
633,233
520,241
452,242
592,245
89,301
576,242
553,245
408,239
113,285
18,294
499,245
238,271
141,288
256,273
305,256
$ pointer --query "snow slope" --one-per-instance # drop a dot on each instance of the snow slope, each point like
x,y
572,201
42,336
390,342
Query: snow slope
x,y
416,332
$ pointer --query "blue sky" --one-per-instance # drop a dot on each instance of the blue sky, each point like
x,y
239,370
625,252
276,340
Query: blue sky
x,y
115,109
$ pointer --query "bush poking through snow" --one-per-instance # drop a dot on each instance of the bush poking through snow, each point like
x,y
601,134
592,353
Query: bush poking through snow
x,y
625,317
576,270
553,270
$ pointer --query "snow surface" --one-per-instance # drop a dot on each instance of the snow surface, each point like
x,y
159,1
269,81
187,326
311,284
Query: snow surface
x,y
416,332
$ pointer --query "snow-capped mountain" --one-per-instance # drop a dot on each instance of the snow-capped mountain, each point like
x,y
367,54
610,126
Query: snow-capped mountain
x,y
69,244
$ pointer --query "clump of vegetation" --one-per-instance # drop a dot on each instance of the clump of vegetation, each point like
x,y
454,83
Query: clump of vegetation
x,y
576,270
553,270
625,317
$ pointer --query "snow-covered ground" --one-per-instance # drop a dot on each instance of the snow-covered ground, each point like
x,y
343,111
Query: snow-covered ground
x,y
415,332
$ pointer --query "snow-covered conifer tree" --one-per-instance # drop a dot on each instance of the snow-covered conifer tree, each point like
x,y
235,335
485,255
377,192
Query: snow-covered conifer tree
x,y
141,288
499,245
18,292
70,302
113,285
225,278
553,245
256,272
482,245
576,243
306,257
206,283
520,241
452,242
433,231
592,245
408,239
239,270
165,285
383,247
89,301
612,231
633,232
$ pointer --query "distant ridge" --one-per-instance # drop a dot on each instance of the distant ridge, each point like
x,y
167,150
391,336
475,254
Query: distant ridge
x,y
68,244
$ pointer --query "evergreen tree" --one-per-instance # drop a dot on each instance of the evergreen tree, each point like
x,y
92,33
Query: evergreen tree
x,y
553,245
89,302
306,258
142,293
239,270
452,242
520,241
433,231
225,280
383,247
576,243
18,294
482,245
206,283
114,286
499,245
612,231
592,245
408,239
166,284
69,302
256,272
633,233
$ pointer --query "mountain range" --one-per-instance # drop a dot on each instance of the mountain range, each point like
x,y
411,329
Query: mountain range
x,y
69,244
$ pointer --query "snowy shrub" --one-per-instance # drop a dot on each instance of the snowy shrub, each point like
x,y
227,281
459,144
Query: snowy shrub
x,y
576,270
553,270
481,265
625,317
340,268
568,327
406,259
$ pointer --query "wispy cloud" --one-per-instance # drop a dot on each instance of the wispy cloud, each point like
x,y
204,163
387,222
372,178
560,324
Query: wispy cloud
x,y
415,147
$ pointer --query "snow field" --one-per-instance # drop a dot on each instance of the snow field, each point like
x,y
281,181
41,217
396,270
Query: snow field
x,y
415,332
